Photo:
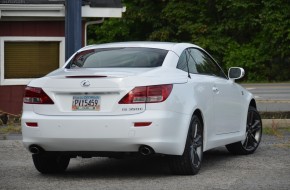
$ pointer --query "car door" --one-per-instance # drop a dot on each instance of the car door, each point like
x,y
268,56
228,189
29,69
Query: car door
x,y
201,86
227,106
226,96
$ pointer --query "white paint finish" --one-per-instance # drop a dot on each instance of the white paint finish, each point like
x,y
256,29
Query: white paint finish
x,y
224,111
227,104
104,133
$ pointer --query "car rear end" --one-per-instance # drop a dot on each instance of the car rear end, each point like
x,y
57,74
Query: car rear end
x,y
105,107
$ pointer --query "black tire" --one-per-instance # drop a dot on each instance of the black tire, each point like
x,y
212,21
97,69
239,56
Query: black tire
x,y
253,135
50,163
189,162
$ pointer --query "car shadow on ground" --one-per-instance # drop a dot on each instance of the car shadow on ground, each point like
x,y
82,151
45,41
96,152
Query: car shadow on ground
x,y
150,166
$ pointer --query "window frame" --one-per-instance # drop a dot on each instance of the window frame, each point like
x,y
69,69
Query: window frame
x,y
162,53
25,81
209,56
213,61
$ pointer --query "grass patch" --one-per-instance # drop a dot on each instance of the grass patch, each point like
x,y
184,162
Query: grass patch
x,y
10,125
287,129
276,131
10,129
272,131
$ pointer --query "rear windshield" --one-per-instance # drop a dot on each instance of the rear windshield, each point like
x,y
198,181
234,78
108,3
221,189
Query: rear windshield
x,y
118,57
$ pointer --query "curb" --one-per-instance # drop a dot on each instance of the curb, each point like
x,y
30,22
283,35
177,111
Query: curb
x,y
10,136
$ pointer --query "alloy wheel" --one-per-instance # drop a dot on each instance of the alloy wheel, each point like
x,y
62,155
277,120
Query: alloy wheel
x,y
196,145
253,131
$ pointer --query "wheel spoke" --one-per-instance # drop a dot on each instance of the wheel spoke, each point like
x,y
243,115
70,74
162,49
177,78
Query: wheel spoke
x,y
246,142
196,160
253,139
197,142
253,131
192,153
195,131
194,156
251,116
252,142
256,126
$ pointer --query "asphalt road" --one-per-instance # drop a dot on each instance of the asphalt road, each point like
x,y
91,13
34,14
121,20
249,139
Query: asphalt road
x,y
271,96
268,168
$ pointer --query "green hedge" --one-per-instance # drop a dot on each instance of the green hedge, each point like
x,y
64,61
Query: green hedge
x,y
254,34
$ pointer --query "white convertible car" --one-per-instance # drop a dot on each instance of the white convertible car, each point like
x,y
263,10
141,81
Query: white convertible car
x,y
138,98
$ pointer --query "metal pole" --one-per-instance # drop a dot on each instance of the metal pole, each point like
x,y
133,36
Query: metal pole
x,y
73,27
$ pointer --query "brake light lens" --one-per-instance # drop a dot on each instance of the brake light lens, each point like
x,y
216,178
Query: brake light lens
x,y
142,124
34,95
147,94
32,124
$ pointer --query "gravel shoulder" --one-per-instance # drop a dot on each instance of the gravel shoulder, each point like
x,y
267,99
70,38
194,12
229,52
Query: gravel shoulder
x,y
267,168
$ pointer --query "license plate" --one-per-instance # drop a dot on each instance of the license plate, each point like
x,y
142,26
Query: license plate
x,y
86,103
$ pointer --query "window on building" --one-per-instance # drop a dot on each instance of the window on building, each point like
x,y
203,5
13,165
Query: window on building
x,y
30,59
26,59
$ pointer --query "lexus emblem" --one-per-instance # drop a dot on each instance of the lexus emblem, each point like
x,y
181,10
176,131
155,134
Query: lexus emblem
x,y
85,83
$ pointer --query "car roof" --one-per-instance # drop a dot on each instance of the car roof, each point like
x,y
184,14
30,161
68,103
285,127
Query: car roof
x,y
170,46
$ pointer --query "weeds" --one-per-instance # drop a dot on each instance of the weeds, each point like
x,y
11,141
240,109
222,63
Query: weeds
x,y
274,132
287,145
278,123
10,129
275,128
12,125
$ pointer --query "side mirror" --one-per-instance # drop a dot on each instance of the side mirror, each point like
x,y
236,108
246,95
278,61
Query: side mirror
x,y
236,73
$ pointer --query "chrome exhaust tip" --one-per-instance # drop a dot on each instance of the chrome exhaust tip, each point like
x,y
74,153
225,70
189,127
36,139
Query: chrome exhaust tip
x,y
145,150
34,149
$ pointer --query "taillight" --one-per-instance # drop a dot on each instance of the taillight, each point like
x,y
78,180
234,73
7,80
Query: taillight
x,y
147,94
34,95
142,124
32,124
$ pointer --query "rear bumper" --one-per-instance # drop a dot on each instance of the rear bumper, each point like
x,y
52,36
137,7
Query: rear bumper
x,y
166,134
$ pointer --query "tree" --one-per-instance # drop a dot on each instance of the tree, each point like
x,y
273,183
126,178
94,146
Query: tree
x,y
253,34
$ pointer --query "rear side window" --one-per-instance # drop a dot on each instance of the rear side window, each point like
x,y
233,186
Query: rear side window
x,y
198,62
185,58
205,65
118,57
